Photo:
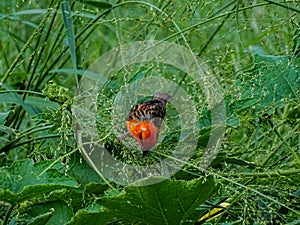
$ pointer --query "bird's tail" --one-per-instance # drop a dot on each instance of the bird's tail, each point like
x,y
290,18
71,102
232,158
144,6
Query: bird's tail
x,y
162,96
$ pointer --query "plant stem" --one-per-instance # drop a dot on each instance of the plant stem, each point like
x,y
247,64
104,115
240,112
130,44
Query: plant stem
x,y
265,174
283,5
293,153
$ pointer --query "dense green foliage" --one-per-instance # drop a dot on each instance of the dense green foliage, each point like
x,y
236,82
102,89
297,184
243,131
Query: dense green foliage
x,y
251,47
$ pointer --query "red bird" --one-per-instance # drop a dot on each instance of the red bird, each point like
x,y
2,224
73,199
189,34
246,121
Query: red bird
x,y
145,121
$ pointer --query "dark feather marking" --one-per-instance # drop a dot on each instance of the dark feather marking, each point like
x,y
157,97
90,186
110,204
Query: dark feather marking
x,y
154,110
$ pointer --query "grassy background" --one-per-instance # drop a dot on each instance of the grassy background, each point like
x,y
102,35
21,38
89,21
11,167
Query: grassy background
x,y
252,47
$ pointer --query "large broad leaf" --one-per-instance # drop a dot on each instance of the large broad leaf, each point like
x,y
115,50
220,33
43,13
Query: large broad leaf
x,y
95,214
274,81
50,213
86,176
24,180
166,202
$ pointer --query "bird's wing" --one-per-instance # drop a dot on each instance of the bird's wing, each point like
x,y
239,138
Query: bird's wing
x,y
153,110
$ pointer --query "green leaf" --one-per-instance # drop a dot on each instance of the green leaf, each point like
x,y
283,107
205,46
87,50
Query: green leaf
x,y
23,180
95,214
29,101
85,73
86,176
13,222
41,219
3,117
233,120
83,173
222,159
6,129
139,75
3,159
205,119
166,202
68,22
30,12
50,213
89,74
295,222
273,82
294,112
243,104
15,98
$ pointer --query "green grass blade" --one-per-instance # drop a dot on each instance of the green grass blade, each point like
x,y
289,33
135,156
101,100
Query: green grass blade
x,y
68,23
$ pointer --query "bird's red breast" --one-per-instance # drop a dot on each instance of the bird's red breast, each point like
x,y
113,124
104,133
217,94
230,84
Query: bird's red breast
x,y
145,120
